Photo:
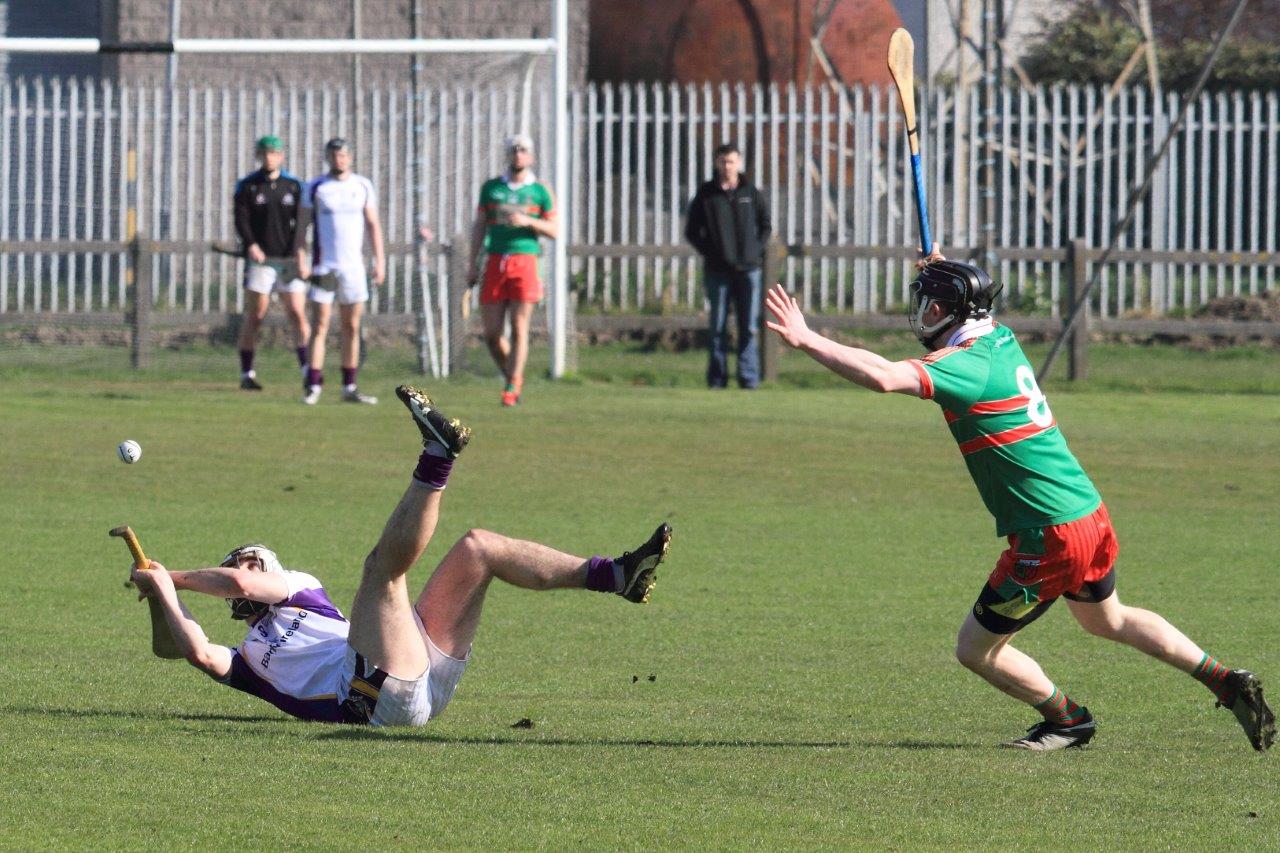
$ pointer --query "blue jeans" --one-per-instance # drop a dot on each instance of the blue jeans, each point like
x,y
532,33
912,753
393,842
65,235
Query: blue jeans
x,y
741,290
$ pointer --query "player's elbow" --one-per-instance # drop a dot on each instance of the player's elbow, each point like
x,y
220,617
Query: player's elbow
x,y
202,658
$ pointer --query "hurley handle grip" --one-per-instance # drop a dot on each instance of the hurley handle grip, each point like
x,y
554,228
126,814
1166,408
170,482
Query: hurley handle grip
x,y
131,539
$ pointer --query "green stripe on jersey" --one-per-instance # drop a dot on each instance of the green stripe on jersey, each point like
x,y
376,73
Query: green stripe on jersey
x,y
1000,419
497,200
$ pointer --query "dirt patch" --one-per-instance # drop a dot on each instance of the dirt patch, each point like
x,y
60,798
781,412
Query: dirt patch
x,y
1264,307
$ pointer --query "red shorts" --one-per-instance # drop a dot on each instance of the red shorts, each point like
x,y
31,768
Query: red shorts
x,y
510,278
1075,559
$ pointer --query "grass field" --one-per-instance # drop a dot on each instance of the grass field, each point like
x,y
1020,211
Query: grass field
x,y
791,684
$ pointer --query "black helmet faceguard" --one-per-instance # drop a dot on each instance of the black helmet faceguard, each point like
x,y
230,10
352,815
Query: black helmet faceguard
x,y
965,291
243,608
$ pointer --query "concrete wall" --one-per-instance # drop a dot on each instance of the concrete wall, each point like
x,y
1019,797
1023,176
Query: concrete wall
x,y
148,20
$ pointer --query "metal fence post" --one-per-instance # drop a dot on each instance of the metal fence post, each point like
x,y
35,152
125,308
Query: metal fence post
x,y
140,311
1078,354
459,269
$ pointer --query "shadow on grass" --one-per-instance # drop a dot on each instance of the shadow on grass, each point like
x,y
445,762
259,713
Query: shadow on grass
x,y
427,737
158,716
693,743
421,736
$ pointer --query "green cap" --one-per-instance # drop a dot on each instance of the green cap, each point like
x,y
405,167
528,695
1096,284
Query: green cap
x,y
270,143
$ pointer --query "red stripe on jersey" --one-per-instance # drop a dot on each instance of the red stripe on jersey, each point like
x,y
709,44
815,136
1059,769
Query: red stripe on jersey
x,y
1001,439
926,382
1000,407
950,416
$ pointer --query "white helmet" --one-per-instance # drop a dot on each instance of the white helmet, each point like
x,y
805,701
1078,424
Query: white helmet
x,y
243,608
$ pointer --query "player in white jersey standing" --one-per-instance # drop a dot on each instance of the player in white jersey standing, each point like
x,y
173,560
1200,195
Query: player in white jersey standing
x,y
390,663
344,208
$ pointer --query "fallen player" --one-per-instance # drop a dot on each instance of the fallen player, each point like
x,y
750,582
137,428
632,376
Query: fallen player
x,y
391,662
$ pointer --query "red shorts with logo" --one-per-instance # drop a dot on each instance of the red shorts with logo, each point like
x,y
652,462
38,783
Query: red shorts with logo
x,y
1075,553
1075,559
510,278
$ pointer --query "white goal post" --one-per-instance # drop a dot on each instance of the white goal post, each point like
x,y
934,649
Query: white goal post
x,y
557,47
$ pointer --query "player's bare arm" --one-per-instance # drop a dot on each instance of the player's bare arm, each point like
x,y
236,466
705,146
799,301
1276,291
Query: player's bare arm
x,y
478,227
227,582
156,582
859,366
374,226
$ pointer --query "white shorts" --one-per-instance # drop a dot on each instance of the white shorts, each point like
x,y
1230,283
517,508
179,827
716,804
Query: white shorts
x,y
264,278
352,286
412,703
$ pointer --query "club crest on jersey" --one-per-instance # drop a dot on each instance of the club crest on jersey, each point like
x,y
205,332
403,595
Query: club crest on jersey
x,y
261,199
287,198
1026,568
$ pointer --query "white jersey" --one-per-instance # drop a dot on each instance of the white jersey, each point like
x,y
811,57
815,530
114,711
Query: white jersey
x,y
338,209
293,656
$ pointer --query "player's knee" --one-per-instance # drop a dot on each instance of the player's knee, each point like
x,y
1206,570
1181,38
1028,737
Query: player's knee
x,y
972,657
1107,627
493,339
1108,624
477,543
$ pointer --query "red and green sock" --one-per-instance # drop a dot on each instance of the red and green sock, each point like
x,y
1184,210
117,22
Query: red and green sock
x,y
1212,674
1059,709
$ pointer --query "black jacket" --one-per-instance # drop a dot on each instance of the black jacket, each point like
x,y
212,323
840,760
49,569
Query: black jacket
x,y
270,214
729,229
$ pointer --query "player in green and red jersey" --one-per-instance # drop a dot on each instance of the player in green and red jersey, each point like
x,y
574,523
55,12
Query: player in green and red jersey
x,y
514,212
1061,543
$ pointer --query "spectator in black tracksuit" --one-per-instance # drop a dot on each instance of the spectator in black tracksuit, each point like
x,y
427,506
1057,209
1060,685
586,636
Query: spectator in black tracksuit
x,y
272,226
729,226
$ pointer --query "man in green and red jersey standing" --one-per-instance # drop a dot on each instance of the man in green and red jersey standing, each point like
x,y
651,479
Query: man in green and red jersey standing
x,y
1061,543
515,211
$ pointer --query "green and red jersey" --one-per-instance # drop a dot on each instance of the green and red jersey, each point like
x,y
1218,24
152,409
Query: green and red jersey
x,y
1009,438
498,200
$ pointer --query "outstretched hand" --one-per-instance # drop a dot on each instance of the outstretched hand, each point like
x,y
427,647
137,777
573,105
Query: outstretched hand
x,y
933,257
790,324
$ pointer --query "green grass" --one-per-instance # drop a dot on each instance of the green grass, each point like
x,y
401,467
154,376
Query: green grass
x,y
828,543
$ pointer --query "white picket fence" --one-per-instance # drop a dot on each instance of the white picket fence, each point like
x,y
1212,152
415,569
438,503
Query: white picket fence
x,y
831,164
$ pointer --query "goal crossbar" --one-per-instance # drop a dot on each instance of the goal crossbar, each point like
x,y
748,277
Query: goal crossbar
x,y
346,46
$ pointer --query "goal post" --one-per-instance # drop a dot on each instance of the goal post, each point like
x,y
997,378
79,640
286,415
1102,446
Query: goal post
x,y
558,311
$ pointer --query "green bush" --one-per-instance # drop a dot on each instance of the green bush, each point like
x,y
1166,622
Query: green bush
x,y
1092,44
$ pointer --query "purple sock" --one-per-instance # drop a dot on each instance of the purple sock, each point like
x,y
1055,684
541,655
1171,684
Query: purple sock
x,y
349,376
302,356
433,471
603,575
246,360
314,377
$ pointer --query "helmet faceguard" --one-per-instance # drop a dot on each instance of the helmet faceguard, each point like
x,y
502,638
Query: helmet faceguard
x,y
963,290
243,608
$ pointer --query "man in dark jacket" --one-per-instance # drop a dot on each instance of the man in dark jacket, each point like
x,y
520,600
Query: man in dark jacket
x,y
272,227
729,225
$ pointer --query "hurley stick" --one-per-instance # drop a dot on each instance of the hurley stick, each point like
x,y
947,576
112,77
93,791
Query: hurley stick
x,y
902,52
162,642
